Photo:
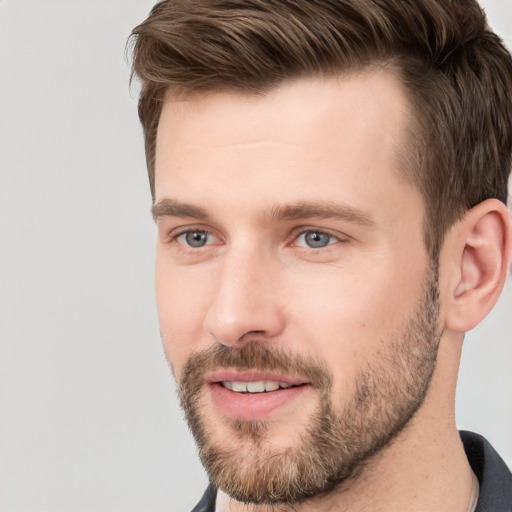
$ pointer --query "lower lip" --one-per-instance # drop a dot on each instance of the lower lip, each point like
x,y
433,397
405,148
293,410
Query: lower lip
x,y
253,406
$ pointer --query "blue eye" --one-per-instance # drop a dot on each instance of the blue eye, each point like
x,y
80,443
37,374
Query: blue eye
x,y
314,239
194,239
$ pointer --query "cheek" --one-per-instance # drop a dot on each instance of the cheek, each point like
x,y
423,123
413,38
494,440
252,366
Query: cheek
x,y
345,320
181,305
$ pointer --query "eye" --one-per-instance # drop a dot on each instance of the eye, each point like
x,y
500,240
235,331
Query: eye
x,y
314,239
195,238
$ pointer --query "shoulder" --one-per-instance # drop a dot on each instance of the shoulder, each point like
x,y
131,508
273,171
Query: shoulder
x,y
493,474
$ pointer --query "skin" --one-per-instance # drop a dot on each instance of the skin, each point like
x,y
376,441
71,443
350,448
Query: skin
x,y
330,144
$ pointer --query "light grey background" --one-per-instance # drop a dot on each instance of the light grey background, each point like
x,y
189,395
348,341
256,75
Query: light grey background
x,y
88,418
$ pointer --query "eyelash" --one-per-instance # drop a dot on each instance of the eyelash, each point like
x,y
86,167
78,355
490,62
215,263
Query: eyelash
x,y
174,235
303,232
333,239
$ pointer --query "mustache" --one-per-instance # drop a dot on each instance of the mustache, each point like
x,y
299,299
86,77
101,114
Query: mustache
x,y
254,355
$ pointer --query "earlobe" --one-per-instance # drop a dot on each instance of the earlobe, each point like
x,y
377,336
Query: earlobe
x,y
483,248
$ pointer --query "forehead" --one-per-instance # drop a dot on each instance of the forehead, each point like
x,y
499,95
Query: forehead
x,y
349,128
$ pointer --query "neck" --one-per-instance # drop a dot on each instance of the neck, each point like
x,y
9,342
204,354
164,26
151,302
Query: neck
x,y
424,468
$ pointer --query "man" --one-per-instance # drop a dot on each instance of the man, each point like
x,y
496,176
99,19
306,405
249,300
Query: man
x,y
329,181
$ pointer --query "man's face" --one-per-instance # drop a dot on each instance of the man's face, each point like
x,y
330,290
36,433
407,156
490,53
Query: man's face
x,y
296,302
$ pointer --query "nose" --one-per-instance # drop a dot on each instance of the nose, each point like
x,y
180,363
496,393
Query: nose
x,y
246,302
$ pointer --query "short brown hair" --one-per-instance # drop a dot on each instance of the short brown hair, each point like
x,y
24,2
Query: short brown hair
x,y
456,71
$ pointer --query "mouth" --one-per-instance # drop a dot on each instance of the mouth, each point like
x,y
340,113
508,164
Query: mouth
x,y
253,395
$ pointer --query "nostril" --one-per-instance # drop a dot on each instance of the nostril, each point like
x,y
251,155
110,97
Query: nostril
x,y
252,333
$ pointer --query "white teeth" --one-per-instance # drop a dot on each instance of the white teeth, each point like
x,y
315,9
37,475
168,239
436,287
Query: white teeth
x,y
271,386
239,387
255,387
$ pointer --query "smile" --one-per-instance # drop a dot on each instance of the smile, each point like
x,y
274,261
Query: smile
x,y
253,394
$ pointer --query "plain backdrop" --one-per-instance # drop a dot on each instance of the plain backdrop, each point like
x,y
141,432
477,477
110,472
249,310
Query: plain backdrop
x,y
88,415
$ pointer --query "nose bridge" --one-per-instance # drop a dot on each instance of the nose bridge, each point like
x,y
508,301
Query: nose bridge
x,y
245,299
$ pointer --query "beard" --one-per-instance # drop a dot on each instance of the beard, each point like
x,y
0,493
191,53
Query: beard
x,y
334,445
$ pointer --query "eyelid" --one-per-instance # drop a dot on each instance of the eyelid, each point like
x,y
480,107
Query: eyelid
x,y
297,232
211,239
169,234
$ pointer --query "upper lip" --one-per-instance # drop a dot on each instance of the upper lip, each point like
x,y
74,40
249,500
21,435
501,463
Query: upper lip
x,y
252,376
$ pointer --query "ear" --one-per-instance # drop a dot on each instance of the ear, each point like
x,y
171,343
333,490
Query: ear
x,y
477,257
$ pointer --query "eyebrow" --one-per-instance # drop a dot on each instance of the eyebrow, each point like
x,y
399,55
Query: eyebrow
x,y
172,208
304,210
322,210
